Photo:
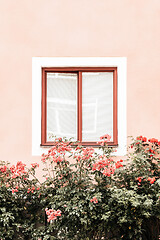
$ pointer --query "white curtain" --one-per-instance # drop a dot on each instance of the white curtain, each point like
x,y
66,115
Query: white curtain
x,y
61,105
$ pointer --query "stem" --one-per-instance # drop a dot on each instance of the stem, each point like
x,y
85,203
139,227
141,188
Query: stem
x,y
30,172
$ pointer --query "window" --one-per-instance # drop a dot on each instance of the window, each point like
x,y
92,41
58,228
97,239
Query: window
x,y
80,103
90,69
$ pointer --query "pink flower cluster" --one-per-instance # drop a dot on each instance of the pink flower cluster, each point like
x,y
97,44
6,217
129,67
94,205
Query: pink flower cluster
x,y
34,165
63,147
18,169
83,153
3,169
118,164
31,190
15,189
104,139
57,152
102,163
151,145
139,179
109,171
107,166
151,180
94,200
143,139
87,152
79,158
52,214
154,140
151,140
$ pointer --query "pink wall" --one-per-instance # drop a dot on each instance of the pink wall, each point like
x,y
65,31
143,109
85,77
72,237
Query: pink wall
x,y
96,28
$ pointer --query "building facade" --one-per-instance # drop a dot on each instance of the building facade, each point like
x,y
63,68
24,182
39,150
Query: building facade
x,y
89,33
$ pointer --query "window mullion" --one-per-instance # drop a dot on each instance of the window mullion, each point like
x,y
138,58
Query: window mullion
x,y
79,103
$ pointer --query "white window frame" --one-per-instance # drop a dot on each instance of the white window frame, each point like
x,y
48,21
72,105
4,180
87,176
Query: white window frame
x,y
39,62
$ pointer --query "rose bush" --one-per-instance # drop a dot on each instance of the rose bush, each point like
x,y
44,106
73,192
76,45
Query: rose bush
x,y
86,194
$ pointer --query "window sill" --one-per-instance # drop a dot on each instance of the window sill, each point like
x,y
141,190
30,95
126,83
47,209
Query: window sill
x,y
84,144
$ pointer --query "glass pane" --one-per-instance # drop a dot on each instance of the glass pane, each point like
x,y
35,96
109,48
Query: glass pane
x,y
97,105
61,105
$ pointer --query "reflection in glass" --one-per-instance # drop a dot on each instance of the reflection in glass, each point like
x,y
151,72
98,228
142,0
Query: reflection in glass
x,y
97,105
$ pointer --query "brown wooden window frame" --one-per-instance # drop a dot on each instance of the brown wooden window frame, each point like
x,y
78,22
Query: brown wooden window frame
x,y
79,71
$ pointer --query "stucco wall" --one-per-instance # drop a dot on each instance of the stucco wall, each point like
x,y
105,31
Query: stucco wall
x,y
63,28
